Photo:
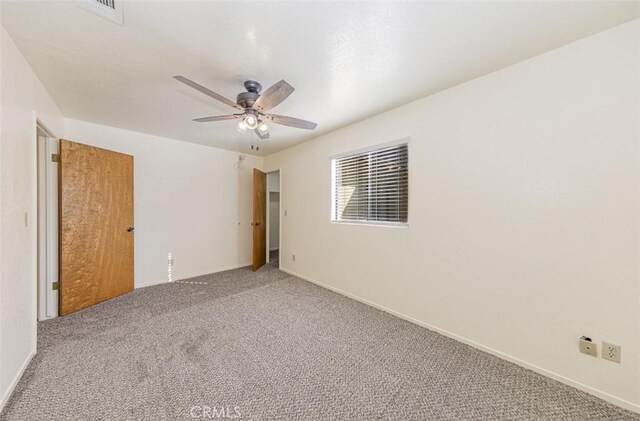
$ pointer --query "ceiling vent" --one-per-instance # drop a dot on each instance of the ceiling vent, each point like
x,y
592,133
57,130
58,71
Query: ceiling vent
x,y
109,3
108,9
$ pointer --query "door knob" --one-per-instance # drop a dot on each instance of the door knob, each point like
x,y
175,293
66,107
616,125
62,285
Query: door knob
x,y
130,229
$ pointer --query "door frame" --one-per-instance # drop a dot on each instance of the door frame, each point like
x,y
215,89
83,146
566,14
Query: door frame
x,y
268,222
46,218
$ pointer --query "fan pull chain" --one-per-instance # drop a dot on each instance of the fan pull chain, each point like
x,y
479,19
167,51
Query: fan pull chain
x,y
254,144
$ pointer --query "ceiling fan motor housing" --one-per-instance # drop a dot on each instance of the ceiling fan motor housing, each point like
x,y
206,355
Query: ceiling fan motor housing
x,y
252,86
247,99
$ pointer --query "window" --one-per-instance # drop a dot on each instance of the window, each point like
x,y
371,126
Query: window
x,y
372,186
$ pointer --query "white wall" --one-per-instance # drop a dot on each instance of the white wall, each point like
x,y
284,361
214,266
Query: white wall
x,y
22,99
190,200
524,204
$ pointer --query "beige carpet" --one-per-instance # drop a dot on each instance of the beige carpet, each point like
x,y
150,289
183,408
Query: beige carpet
x,y
267,346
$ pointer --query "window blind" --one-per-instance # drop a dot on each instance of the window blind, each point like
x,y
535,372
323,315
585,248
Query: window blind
x,y
372,186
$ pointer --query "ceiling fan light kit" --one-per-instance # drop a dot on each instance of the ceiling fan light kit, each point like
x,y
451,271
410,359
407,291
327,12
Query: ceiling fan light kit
x,y
253,106
241,127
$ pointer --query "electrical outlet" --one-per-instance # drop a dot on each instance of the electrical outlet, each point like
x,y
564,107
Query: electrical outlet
x,y
293,257
611,352
587,346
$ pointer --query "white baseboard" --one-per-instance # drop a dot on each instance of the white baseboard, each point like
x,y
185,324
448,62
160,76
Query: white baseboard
x,y
555,376
14,382
182,278
149,283
210,272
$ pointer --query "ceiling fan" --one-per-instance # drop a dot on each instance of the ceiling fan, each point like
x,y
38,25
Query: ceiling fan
x,y
253,107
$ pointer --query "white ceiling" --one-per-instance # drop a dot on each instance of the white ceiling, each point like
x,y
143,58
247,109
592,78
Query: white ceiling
x,y
347,60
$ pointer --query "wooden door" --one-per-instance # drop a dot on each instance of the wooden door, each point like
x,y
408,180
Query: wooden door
x,y
259,219
96,225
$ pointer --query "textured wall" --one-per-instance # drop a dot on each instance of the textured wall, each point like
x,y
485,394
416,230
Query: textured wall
x,y
23,99
523,213
191,200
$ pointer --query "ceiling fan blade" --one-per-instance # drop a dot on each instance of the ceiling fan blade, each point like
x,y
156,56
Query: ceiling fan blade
x,y
261,135
291,121
273,96
207,91
215,118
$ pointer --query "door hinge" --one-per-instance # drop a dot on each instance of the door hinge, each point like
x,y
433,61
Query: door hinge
x,y
55,157
55,286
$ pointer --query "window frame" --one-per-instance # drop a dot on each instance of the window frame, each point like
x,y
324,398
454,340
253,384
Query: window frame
x,y
333,159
